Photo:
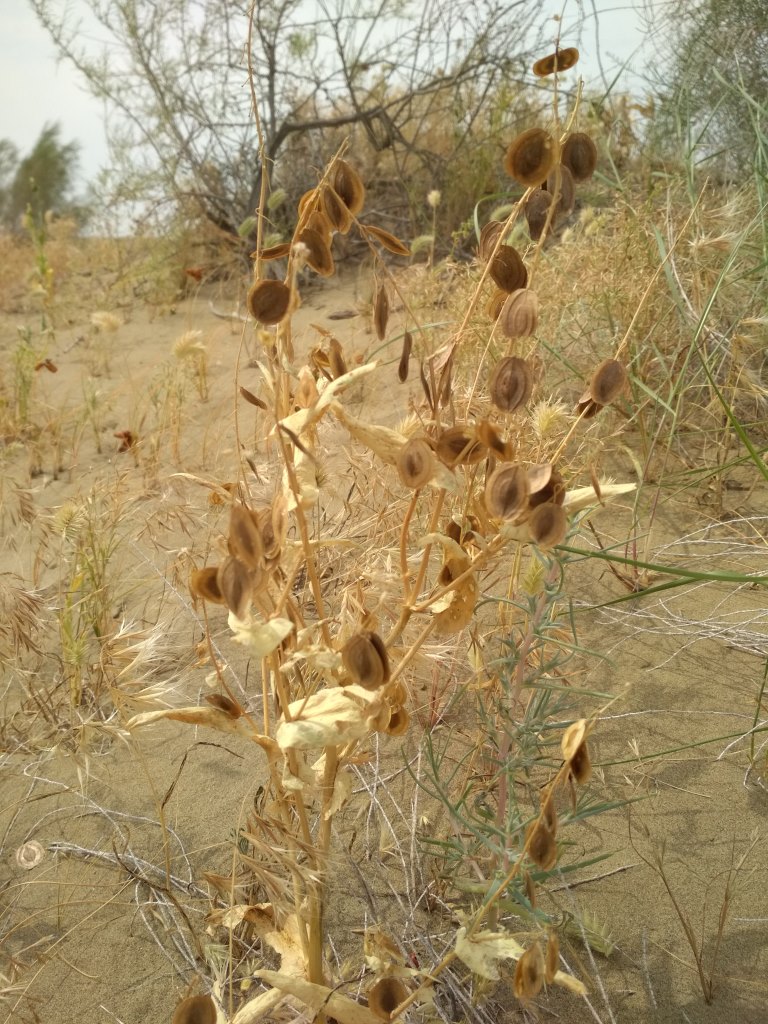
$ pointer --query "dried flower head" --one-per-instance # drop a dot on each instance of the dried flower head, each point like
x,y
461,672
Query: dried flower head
x,y
189,344
433,198
104,321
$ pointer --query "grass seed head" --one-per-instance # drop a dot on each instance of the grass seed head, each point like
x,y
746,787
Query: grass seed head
x,y
530,157
579,155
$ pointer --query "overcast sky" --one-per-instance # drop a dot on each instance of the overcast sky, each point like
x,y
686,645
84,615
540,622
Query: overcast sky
x,y
35,88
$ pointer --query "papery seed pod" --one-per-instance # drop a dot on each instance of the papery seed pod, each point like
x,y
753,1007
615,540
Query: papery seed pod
x,y
348,185
268,301
552,959
511,383
529,973
489,236
586,408
319,256
244,537
537,211
365,657
381,312
251,398
336,358
306,393
541,845
519,316
399,720
549,814
506,492
530,157
508,270
496,304
560,183
309,200
319,222
560,60
489,436
579,155
455,611
273,252
336,210
385,995
546,484
397,693
202,583
387,239
415,463
195,1010
573,737
548,525
458,446
530,889
402,369
608,381
225,704
581,764
236,585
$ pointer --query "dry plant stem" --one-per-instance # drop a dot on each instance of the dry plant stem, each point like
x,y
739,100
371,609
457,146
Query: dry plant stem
x,y
404,545
413,650
317,901
406,611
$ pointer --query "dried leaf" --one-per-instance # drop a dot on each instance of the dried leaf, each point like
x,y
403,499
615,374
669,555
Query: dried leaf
x,y
329,718
318,997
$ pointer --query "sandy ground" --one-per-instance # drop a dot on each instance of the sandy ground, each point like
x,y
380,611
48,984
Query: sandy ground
x,y
100,938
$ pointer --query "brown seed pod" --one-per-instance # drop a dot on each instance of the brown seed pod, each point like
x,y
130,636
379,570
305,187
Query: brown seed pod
x,y
458,446
385,995
529,973
202,583
338,363
581,765
511,383
268,301
415,463
489,236
549,814
608,381
319,257
530,889
310,199
579,155
385,238
519,316
381,312
530,157
546,484
336,210
399,720
496,304
225,704
317,221
488,435
560,60
251,398
236,585
536,212
548,525
552,959
195,1010
461,601
508,270
365,657
560,184
349,187
586,408
402,369
506,492
273,252
244,537
541,845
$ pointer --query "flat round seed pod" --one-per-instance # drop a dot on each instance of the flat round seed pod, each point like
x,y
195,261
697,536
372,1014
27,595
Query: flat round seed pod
x,y
519,316
349,187
552,960
560,183
489,436
415,463
195,1010
495,304
529,973
508,270
511,384
560,60
202,583
581,765
390,242
458,446
236,585
244,537
506,492
579,155
530,157
548,525
385,995
455,611
336,210
536,212
273,252
550,489
364,656
225,704
268,301
319,258
310,197
586,408
489,236
317,221
542,848
608,381
399,720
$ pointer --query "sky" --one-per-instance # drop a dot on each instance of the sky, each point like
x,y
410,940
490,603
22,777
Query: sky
x,y
35,88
